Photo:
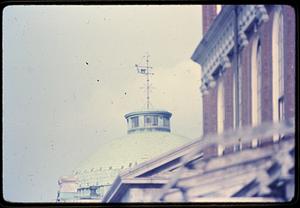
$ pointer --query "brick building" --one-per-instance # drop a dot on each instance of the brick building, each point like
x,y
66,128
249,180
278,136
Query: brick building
x,y
247,58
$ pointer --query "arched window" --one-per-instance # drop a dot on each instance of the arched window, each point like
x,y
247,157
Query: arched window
x,y
259,81
256,80
166,122
256,69
155,120
134,122
220,113
221,110
278,66
147,121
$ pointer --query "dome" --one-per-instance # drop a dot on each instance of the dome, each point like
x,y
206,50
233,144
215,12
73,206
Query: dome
x,y
149,135
125,152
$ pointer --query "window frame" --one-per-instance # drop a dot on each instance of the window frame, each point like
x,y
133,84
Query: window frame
x,y
134,122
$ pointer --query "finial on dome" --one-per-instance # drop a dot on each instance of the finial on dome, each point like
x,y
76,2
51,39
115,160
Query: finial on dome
x,y
145,70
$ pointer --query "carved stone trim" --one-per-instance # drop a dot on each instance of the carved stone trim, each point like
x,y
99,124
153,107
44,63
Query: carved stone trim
x,y
225,62
213,50
261,14
243,41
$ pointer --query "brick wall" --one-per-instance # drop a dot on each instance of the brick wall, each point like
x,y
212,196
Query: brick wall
x,y
209,112
209,101
209,13
289,60
265,34
228,98
245,68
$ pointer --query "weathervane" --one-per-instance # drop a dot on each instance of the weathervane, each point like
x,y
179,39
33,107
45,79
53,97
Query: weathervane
x,y
145,70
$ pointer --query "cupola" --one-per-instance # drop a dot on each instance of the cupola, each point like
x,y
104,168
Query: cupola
x,y
149,120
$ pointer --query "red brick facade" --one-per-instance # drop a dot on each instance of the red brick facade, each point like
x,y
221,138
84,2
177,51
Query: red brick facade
x,y
289,60
265,34
209,105
209,13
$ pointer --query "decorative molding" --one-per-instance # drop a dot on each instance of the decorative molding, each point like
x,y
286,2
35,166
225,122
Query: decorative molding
x,y
211,82
243,41
261,14
225,62
213,50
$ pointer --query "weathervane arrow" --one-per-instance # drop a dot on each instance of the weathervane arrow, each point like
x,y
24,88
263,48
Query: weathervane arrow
x,y
144,70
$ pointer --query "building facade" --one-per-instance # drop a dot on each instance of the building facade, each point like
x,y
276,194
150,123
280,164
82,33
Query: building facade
x,y
247,58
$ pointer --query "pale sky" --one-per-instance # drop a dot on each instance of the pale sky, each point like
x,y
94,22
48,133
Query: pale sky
x,y
56,112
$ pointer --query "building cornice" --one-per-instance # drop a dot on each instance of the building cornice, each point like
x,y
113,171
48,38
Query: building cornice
x,y
149,112
213,51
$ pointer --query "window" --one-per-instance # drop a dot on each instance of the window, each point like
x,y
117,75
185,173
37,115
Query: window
x,y
98,191
259,83
220,113
281,108
240,95
93,191
256,66
234,101
166,122
86,191
147,120
155,120
220,106
134,122
278,66
256,84
237,94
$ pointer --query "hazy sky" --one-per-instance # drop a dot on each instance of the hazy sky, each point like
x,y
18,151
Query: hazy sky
x,y
56,112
